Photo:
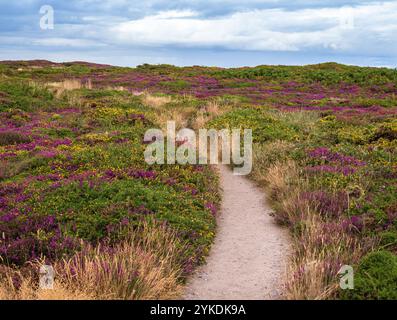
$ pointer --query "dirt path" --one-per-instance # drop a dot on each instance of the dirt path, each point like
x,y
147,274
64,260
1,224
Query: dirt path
x,y
249,256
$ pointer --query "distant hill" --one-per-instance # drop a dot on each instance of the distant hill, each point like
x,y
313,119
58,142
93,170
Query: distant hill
x,y
47,63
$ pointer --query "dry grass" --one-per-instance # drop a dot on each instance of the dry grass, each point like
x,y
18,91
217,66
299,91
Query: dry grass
x,y
200,121
320,246
320,249
67,85
116,88
166,109
28,290
155,102
145,266
213,108
174,114
182,110
210,111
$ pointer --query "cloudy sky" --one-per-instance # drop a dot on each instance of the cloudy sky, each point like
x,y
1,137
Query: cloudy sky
x,y
201,32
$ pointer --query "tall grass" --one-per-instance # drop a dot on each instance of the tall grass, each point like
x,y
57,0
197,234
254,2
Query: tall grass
x,y
146,265
168,109
155,102
209,111
320,245
65,85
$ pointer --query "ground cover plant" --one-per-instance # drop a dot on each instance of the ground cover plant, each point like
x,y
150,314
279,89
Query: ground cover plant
x,y
73,179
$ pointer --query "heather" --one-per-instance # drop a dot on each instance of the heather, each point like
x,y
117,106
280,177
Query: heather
x,y
332,180
73,177
72,173
327,87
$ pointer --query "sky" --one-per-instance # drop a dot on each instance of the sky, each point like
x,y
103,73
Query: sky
x,y
225,33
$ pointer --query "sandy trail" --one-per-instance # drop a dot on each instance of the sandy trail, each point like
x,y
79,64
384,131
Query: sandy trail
x,y
249,256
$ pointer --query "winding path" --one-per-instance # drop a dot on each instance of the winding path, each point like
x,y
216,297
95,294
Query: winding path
x,y
249,256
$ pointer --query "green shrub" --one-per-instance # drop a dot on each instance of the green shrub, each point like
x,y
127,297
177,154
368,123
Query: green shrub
x,y
386,131
375,278
24,95
388,239
176,85
264,126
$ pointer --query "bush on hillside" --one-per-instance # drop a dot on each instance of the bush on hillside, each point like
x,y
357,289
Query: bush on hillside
x,y
375,278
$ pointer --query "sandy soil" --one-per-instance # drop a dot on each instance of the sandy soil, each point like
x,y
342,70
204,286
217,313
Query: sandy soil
x,y
249,256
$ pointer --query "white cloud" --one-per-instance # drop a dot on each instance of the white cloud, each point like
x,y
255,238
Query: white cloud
x,y
65,42
174,14
270,29
302,29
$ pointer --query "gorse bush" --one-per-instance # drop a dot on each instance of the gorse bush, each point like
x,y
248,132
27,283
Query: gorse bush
x,y
73,179
325,172
327,73
264,126
24,95
375,277
388,240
